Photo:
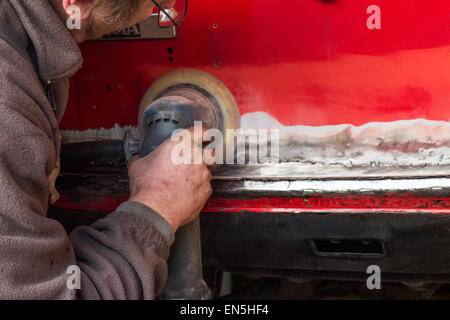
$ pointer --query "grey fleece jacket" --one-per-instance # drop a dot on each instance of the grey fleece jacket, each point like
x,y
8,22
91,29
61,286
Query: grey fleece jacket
x,y
122,256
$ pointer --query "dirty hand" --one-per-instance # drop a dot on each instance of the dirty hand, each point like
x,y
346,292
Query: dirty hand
x,y
178,192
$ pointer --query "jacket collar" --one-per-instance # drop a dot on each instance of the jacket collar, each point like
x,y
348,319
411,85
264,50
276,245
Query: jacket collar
x,y
58,54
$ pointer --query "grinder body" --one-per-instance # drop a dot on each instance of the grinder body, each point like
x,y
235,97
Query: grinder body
x,y
159,121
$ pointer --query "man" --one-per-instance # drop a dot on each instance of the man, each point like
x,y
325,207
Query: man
x,y
122,256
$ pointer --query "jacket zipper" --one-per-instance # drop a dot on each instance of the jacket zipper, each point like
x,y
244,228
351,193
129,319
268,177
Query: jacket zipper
x,y
51,96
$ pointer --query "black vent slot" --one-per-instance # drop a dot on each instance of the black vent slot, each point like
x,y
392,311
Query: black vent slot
x,y
349,248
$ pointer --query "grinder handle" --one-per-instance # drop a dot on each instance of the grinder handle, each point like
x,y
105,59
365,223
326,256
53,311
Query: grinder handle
x,y
185,281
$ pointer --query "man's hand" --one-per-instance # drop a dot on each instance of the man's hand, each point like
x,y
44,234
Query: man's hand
x,y
177,192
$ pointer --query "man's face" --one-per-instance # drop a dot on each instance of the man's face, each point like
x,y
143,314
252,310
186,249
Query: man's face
x,y
96,26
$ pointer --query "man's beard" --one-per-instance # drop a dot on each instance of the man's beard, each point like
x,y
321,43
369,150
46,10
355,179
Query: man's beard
x,y
93,31
89,29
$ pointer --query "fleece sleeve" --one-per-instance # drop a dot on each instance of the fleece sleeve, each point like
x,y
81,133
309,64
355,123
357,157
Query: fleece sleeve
x,y
122,256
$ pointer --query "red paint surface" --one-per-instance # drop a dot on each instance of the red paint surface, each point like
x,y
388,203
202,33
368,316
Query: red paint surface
x,y
337,204
307,62
99,204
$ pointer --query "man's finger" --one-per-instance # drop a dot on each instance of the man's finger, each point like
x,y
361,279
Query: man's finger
x,y
132,160
198,133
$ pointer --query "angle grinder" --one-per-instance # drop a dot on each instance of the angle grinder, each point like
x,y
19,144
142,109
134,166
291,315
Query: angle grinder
x,y
176,101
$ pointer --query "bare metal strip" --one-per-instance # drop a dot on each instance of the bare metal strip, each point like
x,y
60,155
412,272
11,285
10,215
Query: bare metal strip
x,y
304,187
299,171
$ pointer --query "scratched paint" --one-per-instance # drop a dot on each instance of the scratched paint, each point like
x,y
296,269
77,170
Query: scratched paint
x,y
417,142
115,133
